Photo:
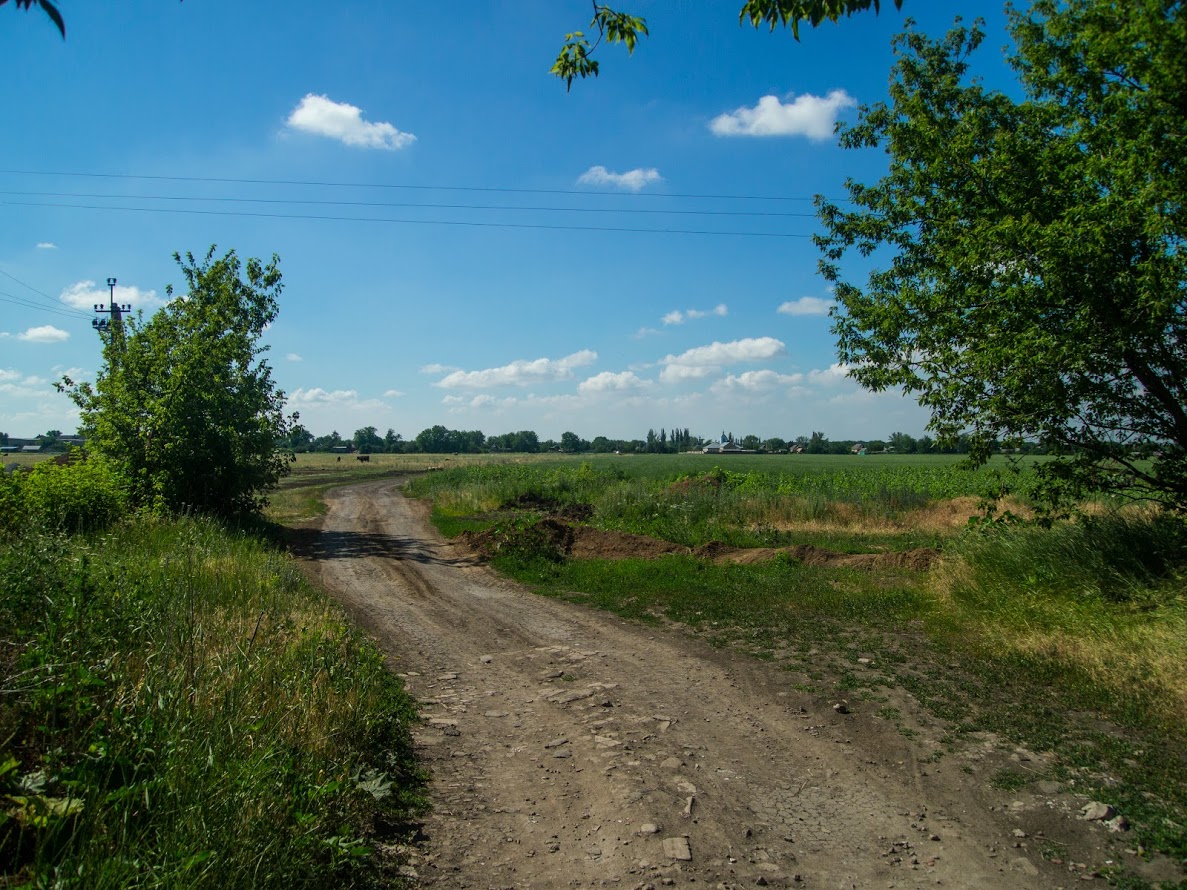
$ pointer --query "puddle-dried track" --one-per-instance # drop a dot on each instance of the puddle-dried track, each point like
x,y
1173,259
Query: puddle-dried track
x,y
571,748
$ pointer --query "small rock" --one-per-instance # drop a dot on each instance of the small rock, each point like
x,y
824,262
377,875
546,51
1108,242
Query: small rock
x,y
672,763
1019,833
678,848
556,743
648,828
486,659
496,714
562,754
1097,812
1118,824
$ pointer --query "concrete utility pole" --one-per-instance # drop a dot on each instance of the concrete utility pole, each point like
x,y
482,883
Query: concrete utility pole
x,y
115,310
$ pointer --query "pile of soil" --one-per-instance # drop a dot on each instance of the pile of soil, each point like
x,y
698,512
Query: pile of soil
x,y
553,535
537,503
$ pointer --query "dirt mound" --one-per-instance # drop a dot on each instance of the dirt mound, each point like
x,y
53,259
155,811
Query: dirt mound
x,y
917,560
593,543
554,539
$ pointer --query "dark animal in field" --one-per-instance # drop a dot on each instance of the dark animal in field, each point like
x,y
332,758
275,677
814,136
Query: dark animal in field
x,y
365,458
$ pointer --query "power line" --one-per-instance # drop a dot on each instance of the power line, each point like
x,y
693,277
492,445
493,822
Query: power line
x,y
58,305
427,206
415,222
29,304
388,185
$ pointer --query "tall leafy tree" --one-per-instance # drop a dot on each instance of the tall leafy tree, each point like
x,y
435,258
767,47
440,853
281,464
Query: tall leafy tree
x,y
1031,279
184,402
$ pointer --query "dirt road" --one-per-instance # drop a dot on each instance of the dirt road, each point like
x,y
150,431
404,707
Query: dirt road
x,y
570,748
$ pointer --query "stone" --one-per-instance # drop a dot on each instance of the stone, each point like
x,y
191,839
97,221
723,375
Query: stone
x,y
648,828
486,659
1097,812
678,848
556,743
672,763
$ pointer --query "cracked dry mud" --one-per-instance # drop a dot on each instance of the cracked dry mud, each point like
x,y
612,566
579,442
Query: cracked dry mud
x,y
570,748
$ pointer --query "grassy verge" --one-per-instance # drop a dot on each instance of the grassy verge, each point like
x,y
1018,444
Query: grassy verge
x,y
179,708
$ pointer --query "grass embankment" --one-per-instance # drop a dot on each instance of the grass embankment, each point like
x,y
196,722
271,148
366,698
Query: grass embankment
x,y
1071,640
180,708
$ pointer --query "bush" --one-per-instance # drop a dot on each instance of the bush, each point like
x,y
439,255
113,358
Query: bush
x,y
86,494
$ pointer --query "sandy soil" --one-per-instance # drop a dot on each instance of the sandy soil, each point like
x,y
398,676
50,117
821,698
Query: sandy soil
x,y
570,748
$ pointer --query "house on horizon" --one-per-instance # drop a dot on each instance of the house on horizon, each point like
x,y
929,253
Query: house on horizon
x,y
725,446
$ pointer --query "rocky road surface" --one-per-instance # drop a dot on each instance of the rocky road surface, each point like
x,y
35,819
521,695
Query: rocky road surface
x,y
569,748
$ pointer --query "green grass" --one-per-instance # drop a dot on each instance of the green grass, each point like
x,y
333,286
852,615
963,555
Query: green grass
x,y
180,708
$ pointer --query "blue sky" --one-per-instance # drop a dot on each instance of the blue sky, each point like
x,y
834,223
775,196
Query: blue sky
x,y
459,236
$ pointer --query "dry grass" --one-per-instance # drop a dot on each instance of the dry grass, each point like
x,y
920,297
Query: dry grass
x,y
939,517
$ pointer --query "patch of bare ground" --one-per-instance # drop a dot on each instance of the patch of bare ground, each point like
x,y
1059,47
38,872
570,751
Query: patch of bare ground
x,y
570,748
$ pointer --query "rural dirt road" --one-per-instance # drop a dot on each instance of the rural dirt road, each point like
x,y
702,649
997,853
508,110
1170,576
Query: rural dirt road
x,y
569,748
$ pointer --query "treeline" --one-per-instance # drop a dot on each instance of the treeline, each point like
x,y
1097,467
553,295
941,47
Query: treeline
x,y
440,440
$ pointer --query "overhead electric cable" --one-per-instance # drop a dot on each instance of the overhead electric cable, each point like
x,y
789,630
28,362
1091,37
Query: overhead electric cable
x,y
411,204
415,222
66,311
388,185
57,305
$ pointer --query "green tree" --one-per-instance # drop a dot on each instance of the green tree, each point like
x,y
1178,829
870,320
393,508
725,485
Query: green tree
x,y
367,440
611,26
903,443
1032,281
184,404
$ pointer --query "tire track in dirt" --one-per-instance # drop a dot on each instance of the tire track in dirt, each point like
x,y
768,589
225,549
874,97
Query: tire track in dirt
x,y
570,748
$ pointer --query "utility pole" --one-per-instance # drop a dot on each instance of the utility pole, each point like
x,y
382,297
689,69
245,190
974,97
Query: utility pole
x,y
115,310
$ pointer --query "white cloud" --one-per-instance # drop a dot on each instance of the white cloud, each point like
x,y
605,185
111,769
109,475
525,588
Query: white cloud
x,y
608,381
322,116
758,382
294,357
44,334
806,306
703,361
678,317
632,180
7,374
46,245
806,115
644,332
392,394
86,295
835,373
435,368
519,373
319,396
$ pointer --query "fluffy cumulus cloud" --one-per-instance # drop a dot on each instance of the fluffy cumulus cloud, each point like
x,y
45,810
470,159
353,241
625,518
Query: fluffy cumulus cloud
x,y
44,334
392,393
806,306
322,116
678,317
704,361
608,381
631,180
14,383
755,382
519,373
806,115
86,295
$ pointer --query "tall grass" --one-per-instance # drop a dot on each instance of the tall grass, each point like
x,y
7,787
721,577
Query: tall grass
x,y
180,709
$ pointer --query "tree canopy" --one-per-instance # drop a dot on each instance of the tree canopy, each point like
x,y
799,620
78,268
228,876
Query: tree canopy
x,y
1030,279
184,404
